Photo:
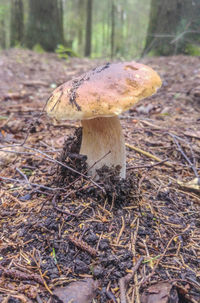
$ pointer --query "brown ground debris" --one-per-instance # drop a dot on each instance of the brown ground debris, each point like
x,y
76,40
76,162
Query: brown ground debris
x,y
58,226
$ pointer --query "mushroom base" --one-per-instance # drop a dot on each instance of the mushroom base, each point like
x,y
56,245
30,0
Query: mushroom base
x,y
103,144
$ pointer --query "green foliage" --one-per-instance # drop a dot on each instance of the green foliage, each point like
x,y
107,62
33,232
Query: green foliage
x,y
4,23
18,45
192,50
131,22
181,27
38,48
3,10
40,32
131,17
173,25
64,52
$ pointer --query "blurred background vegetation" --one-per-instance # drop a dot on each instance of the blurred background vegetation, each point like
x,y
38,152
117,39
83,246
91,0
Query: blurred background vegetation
x,y
121,29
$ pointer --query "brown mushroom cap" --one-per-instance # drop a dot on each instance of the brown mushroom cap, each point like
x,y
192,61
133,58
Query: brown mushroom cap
x,y
105,91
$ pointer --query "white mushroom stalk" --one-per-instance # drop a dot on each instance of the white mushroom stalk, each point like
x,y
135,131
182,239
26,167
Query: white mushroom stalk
x,y
103,144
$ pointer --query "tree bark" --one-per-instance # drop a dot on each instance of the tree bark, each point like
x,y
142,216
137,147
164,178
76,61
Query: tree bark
x,y
2,34
17,23
112,35
60,19
44,24
88,39
172,25
81,22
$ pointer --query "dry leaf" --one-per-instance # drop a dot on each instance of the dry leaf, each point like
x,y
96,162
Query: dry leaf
x,y
193,185
163,292
77,292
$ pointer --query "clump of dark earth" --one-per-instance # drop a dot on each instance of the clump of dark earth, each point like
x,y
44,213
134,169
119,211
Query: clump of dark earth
x,y
115,190
70,157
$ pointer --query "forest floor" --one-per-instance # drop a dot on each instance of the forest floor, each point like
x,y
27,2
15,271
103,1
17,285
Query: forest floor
x,y
57,228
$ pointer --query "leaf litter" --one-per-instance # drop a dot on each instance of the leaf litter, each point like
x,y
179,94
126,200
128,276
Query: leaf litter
x,y
59,227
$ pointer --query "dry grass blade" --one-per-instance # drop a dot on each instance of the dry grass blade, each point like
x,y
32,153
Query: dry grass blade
x,y
149,155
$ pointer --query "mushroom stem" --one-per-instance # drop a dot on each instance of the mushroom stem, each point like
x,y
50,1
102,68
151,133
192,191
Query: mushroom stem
x,y
101,136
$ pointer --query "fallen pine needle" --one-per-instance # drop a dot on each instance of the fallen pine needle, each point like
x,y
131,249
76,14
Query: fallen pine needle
x,y
121,231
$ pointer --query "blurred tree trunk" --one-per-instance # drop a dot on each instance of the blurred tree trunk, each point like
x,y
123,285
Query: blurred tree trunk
x,y
108,26
172,24
45,26
103,32
17,22
112,35
88,38
2,34
60,19
119,45
81,22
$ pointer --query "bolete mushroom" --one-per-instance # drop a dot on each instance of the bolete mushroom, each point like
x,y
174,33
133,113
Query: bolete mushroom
x,y
97,98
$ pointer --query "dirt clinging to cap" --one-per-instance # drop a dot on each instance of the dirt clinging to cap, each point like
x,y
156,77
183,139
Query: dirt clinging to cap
x,y
76,83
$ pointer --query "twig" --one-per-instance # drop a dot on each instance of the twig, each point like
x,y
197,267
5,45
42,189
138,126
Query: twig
x,y
41,275
126,279
18,275
50,159
133,242
32,184
121,230
66,166
68,213
147,154
147,166
104,156
69,185
157,127
110,295
192,165
135,292
182,34
65,212
83,245
24,176
136,289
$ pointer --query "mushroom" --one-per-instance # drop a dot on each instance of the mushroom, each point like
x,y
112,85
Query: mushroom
x,y
97,98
